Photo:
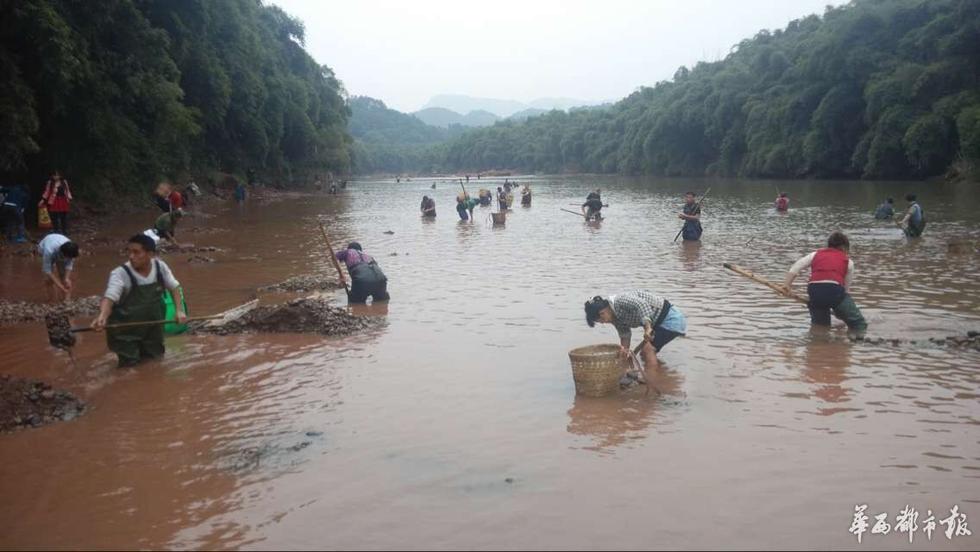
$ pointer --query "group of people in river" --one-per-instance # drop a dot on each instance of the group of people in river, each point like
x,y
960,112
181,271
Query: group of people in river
x,y
139,289
465,204
831,272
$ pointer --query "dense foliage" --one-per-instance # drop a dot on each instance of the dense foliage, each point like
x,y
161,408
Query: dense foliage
x,y
118,93
873,89
390,141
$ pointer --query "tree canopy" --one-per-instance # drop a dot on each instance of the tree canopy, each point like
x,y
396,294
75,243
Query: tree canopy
x,y
122,92
872,89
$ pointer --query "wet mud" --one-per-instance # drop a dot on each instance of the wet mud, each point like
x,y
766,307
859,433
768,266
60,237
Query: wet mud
x,y
31,403
307,315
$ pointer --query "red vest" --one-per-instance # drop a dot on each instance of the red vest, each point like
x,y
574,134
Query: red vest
x,y
829,264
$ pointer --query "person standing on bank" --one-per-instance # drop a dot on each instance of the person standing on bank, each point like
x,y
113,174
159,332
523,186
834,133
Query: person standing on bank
x,y
831,272
661,321
58,254
691,215
135,294
367,279
914,221
57,198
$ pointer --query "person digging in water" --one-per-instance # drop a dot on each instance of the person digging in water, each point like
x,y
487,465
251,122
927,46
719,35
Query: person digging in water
x,y
367,279
592,208
660,320
58,254
691,215
135,294
831,271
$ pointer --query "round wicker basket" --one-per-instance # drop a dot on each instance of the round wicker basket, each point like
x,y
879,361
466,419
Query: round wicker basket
x,y
596,369
499,218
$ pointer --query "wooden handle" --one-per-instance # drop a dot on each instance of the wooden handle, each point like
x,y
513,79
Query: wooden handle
x,y
147,323
333,257
573,212
738,270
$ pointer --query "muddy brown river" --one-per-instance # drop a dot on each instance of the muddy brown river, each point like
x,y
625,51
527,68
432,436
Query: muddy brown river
x,y
456,425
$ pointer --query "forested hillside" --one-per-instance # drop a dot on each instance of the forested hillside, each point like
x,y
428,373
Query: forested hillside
x,y
119,93
873,89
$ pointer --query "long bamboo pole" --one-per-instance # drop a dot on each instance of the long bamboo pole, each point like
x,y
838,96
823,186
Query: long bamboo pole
x,y
697,209
777,288
333,257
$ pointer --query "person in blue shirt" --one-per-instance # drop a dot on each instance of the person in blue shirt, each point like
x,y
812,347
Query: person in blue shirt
x,y
886,210
14,200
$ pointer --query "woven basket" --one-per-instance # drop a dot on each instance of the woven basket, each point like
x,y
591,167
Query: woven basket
x,y
499,218
596,369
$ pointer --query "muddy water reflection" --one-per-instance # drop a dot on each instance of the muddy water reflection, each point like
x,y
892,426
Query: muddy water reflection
x,y
456,425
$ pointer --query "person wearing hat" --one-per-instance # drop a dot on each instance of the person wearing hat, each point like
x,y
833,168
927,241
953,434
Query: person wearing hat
x,y
367,278
135,294
661,321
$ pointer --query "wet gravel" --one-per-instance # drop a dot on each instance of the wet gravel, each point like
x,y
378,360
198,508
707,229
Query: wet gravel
x,y
305,283
307,315
17,312
32,403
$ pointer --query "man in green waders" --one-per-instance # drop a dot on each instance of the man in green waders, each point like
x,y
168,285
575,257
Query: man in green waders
x,y
135,294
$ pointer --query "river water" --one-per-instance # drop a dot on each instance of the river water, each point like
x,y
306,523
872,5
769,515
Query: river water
x,y
456,425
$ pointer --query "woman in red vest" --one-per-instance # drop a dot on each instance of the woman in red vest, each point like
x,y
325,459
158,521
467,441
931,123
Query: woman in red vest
x,y
830,279
57,197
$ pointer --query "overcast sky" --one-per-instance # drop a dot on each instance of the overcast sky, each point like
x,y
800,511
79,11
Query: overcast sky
x,y
404,52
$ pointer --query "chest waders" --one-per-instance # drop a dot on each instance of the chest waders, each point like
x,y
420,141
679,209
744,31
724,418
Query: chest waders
x,y
143,303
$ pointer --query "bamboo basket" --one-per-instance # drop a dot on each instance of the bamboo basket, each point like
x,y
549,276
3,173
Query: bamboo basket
x,y
499,219
596,369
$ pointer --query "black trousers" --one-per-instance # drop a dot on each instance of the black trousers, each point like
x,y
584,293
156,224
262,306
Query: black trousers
x,y
360,290
59,222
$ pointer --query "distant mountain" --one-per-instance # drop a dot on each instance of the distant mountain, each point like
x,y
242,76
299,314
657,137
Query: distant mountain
x,y
445,118
371,121
524,114
502,108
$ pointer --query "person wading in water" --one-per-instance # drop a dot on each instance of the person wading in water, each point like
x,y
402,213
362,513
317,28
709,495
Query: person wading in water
x,y
428,207
691,215
914,221
782,202
660,320
367,279
593,205
135,294
831,270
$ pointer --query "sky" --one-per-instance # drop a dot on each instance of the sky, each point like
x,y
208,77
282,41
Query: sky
x,y
405,52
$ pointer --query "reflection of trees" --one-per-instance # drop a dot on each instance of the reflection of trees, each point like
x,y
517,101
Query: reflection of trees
x,y
611,421
826,364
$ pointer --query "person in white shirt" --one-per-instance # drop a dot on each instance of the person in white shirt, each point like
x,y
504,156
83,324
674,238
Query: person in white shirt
x,y
58,254
135,294
831,271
